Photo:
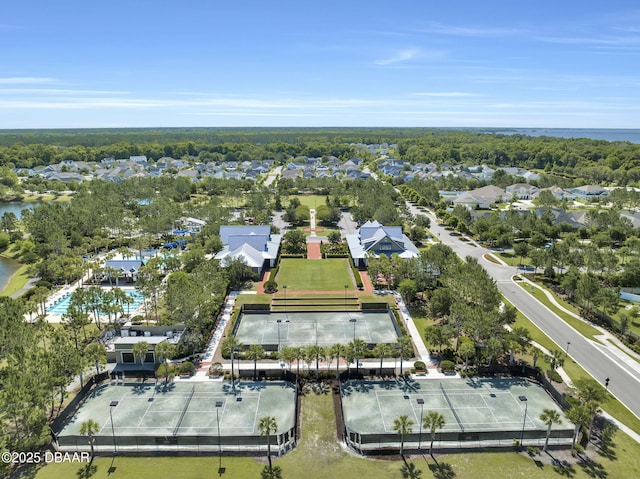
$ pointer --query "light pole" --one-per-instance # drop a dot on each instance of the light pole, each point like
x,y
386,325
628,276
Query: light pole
x,y
284,287
568,344
526,404
354,321
113,404
421,402
278,321
345,296
218,406
606,384
233,379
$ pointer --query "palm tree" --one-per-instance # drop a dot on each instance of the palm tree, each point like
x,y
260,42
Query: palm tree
x,y
402,425
381,351
255,352
358,349
336,351
139,350
405,349
579,416
268,425
549,417
165,350
315,352
97,353
298,354
591,395
288,354
433,421
89,428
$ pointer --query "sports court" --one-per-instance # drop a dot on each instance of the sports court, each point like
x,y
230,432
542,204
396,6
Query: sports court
x,y
477,412
323,328
184,416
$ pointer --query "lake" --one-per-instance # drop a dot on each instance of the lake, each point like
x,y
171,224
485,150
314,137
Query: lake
x,y
16,207
8,266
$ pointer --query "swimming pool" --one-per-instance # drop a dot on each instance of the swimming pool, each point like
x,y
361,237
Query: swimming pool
x,y
60,307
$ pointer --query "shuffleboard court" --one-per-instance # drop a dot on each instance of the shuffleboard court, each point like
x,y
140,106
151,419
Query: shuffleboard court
x,y
476,411
324,328
184,415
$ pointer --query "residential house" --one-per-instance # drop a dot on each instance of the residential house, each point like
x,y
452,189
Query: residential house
x,y
374,239
590,192
254,244
480,198
521,191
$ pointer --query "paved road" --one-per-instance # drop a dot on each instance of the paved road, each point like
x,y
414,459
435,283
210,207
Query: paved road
x,y
601,361
346,224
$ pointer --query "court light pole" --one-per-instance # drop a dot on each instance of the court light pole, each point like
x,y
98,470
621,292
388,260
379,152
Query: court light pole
x,y
421,402
218,406
278,321
353,320
284,288
345,296
233,379
526,404
113,404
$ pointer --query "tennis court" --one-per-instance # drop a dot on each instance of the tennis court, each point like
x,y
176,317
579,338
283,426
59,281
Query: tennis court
x,y
307,328
477,412
184,416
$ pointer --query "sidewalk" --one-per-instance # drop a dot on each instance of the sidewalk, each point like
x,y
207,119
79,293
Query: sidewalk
x,y
606,337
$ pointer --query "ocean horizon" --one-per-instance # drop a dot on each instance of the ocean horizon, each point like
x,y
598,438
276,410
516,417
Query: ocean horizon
x,y
608,134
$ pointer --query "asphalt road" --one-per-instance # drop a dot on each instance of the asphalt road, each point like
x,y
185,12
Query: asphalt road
x,y
601,361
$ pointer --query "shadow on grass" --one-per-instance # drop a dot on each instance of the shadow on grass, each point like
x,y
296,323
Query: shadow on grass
x,y
562,468
410,471
86,471
593,469
442,470
607,446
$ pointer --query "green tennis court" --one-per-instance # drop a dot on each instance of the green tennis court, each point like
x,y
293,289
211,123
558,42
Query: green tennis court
x,y
186,415
477,412
307,328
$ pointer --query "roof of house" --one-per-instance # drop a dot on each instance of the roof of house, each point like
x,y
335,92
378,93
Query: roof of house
x,y
240,230
372,232
125,265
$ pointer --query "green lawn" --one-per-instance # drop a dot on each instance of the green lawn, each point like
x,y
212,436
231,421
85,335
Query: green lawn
x,y
612,405
318,275
582,327
312,201
319,456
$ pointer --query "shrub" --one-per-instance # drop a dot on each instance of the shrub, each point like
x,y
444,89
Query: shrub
x,y
270,286
215,369
419,365
553,375
187,367
447,365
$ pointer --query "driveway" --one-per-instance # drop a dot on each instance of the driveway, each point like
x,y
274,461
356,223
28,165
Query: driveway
x,y
346,224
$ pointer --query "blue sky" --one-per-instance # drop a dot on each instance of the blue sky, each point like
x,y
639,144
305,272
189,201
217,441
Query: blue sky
x,y
158,63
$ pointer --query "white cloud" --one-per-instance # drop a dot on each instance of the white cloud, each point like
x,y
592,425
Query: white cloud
x,y
26,80
400,57
447,94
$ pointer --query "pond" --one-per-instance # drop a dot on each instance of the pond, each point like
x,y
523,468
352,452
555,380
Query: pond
x,y
8,266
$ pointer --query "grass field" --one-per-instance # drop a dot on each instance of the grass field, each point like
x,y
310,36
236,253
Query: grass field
x,y
312,201
319,456
321,275
585,329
